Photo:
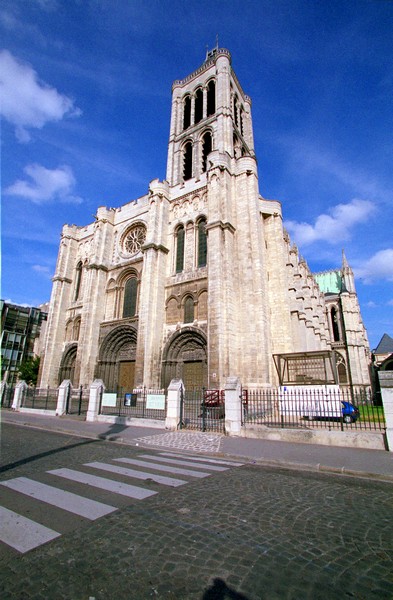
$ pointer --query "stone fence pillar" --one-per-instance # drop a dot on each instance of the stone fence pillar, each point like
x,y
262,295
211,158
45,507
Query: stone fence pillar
x,y
63,396
386,383
20,390
96,390
174,398
233,406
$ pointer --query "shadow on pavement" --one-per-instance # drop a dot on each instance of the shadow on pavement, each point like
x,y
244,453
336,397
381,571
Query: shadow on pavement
x,y
220,591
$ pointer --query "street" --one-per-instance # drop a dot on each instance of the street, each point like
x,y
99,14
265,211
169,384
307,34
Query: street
x,y
125,522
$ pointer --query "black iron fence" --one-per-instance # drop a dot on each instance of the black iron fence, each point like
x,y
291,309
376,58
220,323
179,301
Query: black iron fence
x,y
40,398
7,396
288,407
77,401
140,403
203,410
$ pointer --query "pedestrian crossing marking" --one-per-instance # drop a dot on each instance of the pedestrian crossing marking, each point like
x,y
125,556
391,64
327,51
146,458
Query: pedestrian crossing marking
x,y
21,533
110,485
24,534
229,463
136,474
176,461
166,468
90,509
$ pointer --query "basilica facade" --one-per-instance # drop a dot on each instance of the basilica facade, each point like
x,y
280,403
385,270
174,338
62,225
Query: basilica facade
x,y
198,278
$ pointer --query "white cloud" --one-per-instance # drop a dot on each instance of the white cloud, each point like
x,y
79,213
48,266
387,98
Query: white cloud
x,y
379,266
334,227
45,185
28,102
43,270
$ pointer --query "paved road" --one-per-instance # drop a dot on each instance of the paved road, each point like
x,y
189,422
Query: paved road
x,y
148,524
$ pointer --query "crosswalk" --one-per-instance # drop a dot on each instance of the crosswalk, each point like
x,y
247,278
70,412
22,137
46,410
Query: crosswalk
x,y
67,496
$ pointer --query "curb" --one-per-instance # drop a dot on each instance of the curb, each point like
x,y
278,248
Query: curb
x,y
274,463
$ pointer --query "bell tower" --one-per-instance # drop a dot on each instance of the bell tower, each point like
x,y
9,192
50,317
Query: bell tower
x,y
209,112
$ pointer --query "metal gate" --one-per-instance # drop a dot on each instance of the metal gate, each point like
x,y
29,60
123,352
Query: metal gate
x,y
77,401
203,410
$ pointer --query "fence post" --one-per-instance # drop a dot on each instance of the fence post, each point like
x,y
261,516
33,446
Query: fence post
x,y
64,391
20,390
386,383
96,389
175,390
233,406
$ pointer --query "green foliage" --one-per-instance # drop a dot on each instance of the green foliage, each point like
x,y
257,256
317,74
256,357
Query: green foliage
x,y
28,370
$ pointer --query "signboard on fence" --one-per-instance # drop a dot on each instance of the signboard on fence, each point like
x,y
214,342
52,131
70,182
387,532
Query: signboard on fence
x,y
155,401
130,399
109,399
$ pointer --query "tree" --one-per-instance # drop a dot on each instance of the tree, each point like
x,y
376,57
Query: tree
x,y
28,370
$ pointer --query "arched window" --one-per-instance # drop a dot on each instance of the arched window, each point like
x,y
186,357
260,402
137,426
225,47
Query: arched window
x,y
207,146
202,243
180,249
211,98
76,329
187,161
187,112
130,297
235,108
241,120
335,326
189,310
198,114
78,280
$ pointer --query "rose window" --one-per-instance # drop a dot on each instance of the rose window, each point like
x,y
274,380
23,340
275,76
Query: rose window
x,y
134,239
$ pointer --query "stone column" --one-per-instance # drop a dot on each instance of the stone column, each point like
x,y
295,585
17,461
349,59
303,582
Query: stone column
x,y
64,393
386,383
20,389
175,392
233,406
96,390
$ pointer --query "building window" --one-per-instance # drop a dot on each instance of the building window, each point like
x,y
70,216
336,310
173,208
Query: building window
x,y
211,98
202,243
78,280
130,297
207,146
198,114
133,240
189,310
187,112
180,249
187,161
235,109
335,324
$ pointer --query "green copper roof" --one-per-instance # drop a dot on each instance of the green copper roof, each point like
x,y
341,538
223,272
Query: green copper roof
x,y
329,281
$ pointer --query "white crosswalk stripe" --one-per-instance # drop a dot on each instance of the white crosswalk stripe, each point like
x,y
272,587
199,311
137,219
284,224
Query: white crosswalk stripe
x,y
132,491
165,468
23,534
136,474
215,461
90,509
176,461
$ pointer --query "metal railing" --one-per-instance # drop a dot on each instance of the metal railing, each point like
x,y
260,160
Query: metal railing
x,y
141,403
310,409
40,398
203,410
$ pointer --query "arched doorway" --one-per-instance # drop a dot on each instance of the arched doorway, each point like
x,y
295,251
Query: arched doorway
x,y
185,357
67,364
116,360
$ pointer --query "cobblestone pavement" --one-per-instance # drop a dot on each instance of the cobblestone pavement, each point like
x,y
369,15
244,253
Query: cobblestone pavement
x,y
192,441
249,532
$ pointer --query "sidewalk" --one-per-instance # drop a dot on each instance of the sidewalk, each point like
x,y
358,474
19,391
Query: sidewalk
x,y
377,464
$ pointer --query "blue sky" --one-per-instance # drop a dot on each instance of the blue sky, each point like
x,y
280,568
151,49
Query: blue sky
x,y
86,87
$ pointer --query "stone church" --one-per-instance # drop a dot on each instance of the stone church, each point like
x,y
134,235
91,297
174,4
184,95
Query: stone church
x,y
198,278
